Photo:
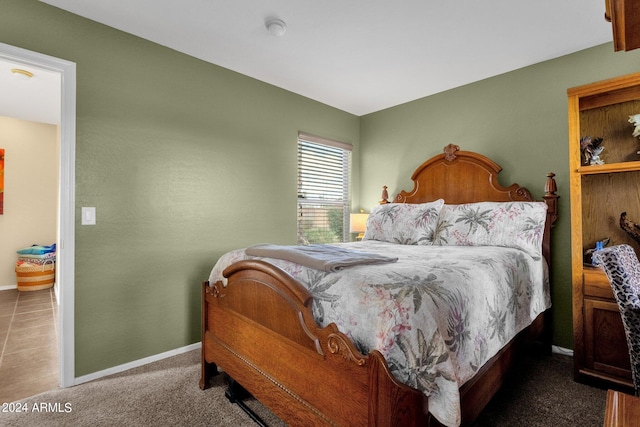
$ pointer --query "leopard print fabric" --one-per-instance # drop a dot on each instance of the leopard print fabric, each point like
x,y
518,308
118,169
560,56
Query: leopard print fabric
x,y
621,265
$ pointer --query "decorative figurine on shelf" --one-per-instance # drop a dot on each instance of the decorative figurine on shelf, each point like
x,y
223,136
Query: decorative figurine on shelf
x,y
591,150
630,227
635,121
385,196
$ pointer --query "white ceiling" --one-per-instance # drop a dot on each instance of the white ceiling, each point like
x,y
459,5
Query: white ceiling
x,y
37,99
361,56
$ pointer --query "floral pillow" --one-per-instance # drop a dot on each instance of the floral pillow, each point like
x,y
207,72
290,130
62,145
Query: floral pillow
x,y
517,225
405,223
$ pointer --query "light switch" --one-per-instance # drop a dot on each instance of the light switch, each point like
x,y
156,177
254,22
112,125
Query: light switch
x,y
88,216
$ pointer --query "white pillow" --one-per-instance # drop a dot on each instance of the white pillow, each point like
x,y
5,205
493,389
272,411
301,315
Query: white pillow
x,y
405,223
517,225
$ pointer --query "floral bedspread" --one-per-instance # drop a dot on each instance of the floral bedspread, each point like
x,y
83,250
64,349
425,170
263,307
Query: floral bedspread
x,y
436,315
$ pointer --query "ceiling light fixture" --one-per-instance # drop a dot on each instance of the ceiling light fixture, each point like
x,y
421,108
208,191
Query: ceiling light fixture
x,y
22,74
276,27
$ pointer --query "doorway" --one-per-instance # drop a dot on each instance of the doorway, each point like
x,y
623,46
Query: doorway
x,y
66,207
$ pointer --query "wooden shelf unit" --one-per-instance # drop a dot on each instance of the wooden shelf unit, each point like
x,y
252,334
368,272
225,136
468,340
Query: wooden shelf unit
x,y
599,194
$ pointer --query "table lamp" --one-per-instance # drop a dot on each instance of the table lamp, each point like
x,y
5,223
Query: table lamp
x,y
358,223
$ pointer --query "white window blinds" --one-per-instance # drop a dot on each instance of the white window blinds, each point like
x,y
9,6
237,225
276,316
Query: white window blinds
x,y
324,168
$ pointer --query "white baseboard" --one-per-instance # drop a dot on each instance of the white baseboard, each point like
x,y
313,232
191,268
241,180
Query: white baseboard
x,y
561,350
135,364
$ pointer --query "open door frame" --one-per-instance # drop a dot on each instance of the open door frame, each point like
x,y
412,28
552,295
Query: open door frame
x,y
65,256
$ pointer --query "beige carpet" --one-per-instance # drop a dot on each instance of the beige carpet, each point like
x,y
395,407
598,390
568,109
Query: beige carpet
x,y
541,393
164,393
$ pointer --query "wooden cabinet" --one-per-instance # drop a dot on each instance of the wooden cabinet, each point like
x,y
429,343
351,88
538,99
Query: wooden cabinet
x,y
605,345
599,195
624,16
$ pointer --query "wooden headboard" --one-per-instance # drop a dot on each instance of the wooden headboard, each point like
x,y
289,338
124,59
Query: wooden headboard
x,y
466,177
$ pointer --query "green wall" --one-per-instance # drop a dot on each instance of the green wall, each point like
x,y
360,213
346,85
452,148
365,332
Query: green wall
x,y
183,161
518,119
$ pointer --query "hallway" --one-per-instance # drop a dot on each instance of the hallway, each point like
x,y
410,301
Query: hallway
x,y
28,343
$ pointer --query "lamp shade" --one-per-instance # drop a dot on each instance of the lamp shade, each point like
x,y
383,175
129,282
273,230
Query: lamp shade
x,y
358,222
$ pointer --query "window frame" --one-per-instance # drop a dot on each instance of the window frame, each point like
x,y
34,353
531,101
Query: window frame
x,y
326,192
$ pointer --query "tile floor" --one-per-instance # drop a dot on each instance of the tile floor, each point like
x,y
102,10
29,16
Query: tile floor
x,y
28,343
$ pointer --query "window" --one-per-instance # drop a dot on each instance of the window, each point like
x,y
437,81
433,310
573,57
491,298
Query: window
x,y
324,168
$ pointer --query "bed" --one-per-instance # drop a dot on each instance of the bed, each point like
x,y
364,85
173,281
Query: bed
x,y
284,332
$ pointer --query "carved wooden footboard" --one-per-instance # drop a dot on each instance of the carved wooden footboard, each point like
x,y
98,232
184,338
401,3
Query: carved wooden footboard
x,y
260,330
